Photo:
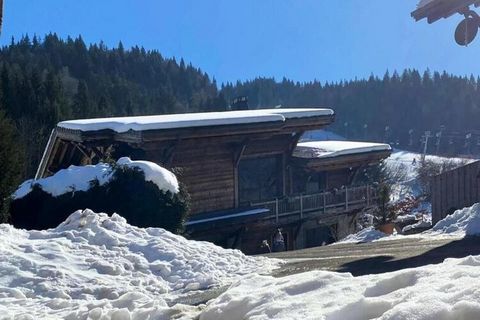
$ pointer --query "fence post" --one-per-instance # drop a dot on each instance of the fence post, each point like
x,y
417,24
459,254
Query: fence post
x,y
346,198
301,206
276,210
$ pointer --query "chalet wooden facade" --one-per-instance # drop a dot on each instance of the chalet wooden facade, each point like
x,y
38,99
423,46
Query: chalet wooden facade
x,y
240,168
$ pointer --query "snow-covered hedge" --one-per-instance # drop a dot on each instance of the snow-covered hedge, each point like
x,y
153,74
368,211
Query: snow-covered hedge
x,y
142,192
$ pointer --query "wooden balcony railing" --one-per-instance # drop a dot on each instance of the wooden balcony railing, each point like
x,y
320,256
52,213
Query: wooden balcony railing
x,y
345,199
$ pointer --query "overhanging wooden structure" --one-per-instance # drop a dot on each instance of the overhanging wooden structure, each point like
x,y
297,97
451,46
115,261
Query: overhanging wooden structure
x,y
437,9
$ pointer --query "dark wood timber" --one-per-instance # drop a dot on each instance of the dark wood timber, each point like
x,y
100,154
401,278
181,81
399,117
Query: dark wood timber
x,y
438,9
455,189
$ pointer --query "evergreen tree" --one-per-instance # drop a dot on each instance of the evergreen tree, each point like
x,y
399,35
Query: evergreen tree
x,y
11,164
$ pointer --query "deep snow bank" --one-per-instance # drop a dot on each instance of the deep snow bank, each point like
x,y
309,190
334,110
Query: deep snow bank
x,y
445,291
79,178
462,222
94,265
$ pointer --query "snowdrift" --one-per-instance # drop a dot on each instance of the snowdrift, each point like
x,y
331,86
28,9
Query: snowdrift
x,y
464,222
100,267
445,291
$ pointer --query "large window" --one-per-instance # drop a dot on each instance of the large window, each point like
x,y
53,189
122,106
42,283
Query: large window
x,y
260,179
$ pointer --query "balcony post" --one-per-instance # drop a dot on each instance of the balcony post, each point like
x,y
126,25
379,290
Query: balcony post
x,y
276,210
324,202
346,198
301,206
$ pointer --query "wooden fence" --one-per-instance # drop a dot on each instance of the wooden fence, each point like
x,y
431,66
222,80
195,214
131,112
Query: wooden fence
x,y
455,189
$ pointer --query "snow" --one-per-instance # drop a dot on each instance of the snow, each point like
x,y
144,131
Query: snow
x,y
79,178
423,223
423,3
320,135
328,149
164,179
172,121
445,291
94,266
405,159
463,222
368,234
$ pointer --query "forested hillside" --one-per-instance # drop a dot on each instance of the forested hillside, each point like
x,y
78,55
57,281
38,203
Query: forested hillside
x,y
49,80
398,108
43,81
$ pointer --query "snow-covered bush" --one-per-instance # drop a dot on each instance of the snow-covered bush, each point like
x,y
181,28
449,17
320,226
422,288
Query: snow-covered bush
x,y
130,191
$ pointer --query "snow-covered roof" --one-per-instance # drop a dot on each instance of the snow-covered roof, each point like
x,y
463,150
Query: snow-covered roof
x,y
330,149
185,120
423,3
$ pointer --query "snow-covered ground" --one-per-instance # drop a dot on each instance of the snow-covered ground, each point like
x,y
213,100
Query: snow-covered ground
x,y
405,160
80,178
97,267
445,291
405,164
463,222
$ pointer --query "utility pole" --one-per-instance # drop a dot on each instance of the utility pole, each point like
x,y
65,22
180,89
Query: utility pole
x,y
468,138
426,136
439,138
387,134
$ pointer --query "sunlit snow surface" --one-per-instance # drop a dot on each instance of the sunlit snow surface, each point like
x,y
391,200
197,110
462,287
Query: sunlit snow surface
x,y
79,178
463,222
97,266
446,291
189,120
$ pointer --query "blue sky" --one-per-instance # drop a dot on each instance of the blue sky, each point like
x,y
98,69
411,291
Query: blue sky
x,y
327,40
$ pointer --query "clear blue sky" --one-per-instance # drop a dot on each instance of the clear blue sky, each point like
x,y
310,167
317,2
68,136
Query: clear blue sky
x,y
328,40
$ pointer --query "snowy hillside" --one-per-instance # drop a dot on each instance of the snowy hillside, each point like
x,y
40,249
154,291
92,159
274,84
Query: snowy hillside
x,y
93,265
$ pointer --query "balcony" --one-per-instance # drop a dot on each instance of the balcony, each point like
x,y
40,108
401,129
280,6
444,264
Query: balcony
x,y
331,202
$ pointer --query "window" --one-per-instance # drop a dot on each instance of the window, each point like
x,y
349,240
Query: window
x,y
260,179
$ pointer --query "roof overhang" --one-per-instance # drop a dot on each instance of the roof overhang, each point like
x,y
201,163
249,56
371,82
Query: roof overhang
x,y
194,125
332,155
139,131
434,10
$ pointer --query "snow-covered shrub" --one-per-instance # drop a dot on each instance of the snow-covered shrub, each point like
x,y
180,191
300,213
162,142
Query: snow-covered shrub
x,y
142,203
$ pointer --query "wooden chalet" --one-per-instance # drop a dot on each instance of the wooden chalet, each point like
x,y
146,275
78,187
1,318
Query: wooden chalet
x,y
246,173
